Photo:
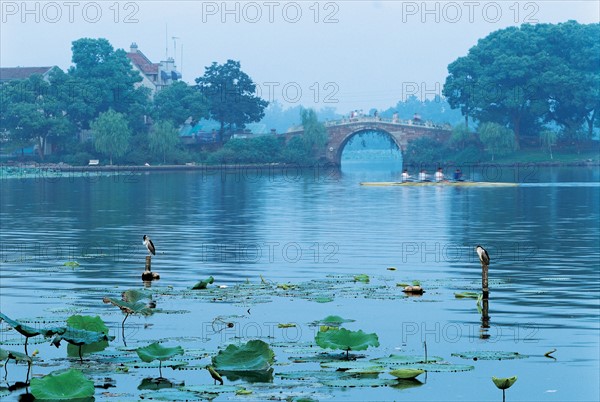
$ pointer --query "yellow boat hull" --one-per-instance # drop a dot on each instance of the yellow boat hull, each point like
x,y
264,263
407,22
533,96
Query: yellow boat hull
x,y
441,183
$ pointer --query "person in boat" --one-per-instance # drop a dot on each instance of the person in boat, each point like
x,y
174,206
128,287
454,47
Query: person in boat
x,y
423,176
457,175
405,175
439,175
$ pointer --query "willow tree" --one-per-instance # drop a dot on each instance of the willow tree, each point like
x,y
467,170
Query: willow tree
x,y
111,134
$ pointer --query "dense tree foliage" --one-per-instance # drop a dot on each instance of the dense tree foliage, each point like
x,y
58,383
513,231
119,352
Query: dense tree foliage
x,y
33,110
231,96
523,77
315,134
101,79
179,103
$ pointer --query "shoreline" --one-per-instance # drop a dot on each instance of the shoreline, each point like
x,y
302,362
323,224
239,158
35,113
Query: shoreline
x,y
271,166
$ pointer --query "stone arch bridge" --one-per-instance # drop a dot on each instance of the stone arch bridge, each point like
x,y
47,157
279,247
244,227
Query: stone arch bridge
x,y
400,131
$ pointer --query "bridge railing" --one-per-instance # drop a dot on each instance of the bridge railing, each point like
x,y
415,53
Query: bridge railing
x,y
374,119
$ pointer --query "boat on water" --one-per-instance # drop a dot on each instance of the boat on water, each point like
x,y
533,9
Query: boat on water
x,y
439,183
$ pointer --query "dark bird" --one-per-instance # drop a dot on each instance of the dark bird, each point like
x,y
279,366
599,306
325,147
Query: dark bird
x,y
483,255
149,245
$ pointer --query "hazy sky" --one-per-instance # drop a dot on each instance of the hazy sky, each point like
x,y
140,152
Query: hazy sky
x,y
345,54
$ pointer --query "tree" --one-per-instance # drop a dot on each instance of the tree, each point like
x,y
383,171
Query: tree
x,y
315,134
461,136
111,134
520,76
497,139
230,94
32,111
101,79
163,138
179,102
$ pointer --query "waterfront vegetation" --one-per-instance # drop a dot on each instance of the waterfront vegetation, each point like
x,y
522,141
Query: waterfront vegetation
x,y
514,103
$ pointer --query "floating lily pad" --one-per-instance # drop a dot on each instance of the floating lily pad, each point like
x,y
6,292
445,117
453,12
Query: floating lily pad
x,y
172,395
362,278
255,355
211,389
72,264
359,382
157,383
441,367
396,360
70,384
406,373
350,365
490,355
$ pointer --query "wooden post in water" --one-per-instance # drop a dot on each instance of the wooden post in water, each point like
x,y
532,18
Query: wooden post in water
x,y
148,263
484,280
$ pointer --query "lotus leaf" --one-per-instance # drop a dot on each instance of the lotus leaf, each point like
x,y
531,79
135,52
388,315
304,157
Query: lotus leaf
x,y
504,383
79,337
28,331
16,356
68,384
359,382
346,340
334,321
361,278
89,323
396,360
405,374
203,283
72,264
134,295
490,355
255,355
157,352
130,307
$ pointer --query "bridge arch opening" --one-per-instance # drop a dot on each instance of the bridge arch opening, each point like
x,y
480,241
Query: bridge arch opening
x,y
370,150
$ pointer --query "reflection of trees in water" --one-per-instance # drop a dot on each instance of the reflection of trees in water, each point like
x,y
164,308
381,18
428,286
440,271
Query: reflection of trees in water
x,y
371,145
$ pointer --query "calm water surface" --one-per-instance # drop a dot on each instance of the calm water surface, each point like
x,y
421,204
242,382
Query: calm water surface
x,y
543,238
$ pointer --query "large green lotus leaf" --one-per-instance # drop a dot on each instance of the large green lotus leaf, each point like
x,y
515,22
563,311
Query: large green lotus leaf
x,y
80,337
504,383
28,331
346,340
88,323
157,383
130,307
134,295
70,384
255,355
490,355
349,364
155,351
406,373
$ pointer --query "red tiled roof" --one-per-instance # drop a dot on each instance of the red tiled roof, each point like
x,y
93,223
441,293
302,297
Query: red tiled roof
x,y
20,73
141,61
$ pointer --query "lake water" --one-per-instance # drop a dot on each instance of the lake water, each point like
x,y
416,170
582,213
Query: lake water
x,y
292,226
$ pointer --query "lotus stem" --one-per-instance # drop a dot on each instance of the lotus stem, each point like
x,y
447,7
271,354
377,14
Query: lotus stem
x,y
425,345
503,395
160,368
6,368
80,357
26,339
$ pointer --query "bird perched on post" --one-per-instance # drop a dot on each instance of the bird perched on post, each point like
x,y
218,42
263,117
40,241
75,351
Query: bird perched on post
x,y
483,255
149,245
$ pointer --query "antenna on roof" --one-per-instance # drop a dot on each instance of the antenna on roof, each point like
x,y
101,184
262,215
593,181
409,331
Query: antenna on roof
x,y
174,47
166,43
